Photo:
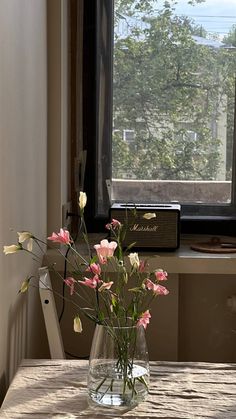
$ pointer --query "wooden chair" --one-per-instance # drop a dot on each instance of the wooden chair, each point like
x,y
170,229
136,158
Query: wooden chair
x,y
52,325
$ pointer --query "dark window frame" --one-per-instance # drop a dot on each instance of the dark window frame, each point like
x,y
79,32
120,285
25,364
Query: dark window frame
x,y
199,219
97,108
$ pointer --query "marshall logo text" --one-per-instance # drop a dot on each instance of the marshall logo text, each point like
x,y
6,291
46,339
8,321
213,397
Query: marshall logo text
x,y
138,227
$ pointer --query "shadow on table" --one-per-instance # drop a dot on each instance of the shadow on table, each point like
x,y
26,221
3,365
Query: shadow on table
x,y
43,397
52,392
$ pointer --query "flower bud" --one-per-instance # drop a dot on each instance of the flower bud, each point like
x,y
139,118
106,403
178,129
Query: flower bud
x,y
134,260
82,200
77,325
11,249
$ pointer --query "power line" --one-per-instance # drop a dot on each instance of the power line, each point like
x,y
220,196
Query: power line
x,y
211,16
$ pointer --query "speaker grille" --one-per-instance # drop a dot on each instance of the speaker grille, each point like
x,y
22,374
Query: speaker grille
x,y
160,232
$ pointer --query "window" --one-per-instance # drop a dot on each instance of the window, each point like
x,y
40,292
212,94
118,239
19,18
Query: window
x,y
129,136
174,79
173,95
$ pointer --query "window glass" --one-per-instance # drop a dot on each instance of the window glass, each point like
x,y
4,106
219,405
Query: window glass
x,y
173,101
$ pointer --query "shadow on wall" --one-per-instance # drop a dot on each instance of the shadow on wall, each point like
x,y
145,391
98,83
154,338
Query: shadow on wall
x,y
16,346
3,388
17,336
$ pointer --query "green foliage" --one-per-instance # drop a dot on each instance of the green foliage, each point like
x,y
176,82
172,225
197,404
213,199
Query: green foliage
x,y
122,161
171,91
230,39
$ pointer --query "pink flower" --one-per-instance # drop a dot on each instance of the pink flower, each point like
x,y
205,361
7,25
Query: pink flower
x,y
149,284
105,286
161,275
142,265
91,282
71,283
144,319
113,225
160,290
156,288
95,268
105,250
62,237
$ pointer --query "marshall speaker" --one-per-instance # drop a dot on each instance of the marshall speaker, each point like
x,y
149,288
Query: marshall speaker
x,y
155,226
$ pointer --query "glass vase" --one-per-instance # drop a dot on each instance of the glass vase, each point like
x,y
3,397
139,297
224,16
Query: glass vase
x,y
118,366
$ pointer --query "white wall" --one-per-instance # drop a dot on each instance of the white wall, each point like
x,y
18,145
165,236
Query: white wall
x,y
23,166
58,150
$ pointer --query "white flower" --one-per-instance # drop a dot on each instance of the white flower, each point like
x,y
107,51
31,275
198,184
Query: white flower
x,y
149,215
134,259
11,249
77,325
30,245
82,200
24,235
105,286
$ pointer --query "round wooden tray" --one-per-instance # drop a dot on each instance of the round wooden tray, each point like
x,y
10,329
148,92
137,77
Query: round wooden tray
x,y
215,245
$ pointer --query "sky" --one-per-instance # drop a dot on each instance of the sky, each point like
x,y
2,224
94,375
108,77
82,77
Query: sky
x,y
216,16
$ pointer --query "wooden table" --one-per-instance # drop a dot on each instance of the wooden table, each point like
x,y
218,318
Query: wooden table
x,y
57,389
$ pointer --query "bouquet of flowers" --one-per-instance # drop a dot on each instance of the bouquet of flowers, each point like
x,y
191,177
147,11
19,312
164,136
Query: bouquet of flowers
x,y
115,289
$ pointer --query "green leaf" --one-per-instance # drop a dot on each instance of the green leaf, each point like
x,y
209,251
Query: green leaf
x,y
93,260
25,285
130,246
89,316
113,301
136,289
101,316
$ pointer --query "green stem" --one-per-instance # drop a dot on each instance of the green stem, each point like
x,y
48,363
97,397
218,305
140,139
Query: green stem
x,y
109,387
100,384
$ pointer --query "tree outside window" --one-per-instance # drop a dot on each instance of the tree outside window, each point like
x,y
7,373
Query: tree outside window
x,y
174,90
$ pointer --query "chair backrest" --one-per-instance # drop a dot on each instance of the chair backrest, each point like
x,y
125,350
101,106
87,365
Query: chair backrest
x,y
52,325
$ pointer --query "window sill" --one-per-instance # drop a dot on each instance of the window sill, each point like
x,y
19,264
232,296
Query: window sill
x,y
187,261
181,261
